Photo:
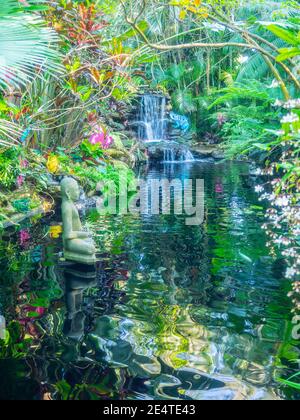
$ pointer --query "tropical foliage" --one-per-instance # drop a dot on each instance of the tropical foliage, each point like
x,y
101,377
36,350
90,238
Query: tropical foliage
x,y
71,73
27,45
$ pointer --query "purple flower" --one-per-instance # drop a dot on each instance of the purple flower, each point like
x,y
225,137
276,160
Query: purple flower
x,y
20,181
24,237
98,137
108,142
219,188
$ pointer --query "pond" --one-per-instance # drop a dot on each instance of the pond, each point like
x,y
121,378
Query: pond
x,y
170,312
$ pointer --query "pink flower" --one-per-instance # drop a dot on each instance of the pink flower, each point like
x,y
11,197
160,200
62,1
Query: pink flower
x,y
20,181
24,163
24,237
98,136
219,189
108,142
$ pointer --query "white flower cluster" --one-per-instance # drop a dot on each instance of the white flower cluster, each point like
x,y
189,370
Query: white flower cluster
x,y
280,133
259,188
291,272
275,84
283,223
290,252
291,104
282,241
282,191
290,118
296,231
282,201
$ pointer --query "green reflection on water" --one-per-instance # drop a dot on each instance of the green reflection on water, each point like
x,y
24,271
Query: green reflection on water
x,y
171,311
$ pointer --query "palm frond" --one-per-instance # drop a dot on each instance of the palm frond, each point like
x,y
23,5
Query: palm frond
x,y
176,71
262,9
183,101
256,67
27,46
10,133
251,91
12,7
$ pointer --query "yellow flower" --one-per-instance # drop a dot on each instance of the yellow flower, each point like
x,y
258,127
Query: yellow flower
x,y
52,164
182,14
47,206
55,231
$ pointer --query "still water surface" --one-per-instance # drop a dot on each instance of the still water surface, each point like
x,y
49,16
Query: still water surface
x,y
170,312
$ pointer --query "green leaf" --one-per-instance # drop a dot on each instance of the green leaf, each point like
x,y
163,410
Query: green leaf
x,y
10,7
10,133
284,34
64,388
289,383
250,91
143,26
262,146
286,53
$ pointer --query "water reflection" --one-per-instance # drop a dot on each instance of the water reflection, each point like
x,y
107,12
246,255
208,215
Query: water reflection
x,y
78,278
170,311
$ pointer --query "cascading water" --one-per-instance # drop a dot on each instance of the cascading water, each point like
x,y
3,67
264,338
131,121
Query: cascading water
x,y
169,155
188,156
175,153
152,118
153,128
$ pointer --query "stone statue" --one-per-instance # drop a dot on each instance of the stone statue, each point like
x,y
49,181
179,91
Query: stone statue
x,y
78,278
78,244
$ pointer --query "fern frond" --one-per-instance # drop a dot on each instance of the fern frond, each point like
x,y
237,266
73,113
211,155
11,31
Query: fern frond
x,y
253,91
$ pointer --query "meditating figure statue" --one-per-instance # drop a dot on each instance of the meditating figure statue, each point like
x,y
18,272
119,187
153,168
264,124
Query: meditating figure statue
x,y
78,244
78,278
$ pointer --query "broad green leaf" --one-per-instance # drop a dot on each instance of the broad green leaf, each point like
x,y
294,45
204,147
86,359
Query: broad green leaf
x,y
286,53
143,26
290,383
284,34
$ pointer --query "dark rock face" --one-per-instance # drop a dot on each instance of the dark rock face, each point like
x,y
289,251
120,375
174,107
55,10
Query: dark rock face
x,y
208,151
155,154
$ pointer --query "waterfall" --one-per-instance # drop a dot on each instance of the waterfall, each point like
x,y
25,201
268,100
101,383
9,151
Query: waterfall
x,y
188,156
177,153
152,128
152,118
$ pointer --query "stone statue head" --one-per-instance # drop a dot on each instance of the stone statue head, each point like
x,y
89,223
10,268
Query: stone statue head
x,y
70,189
